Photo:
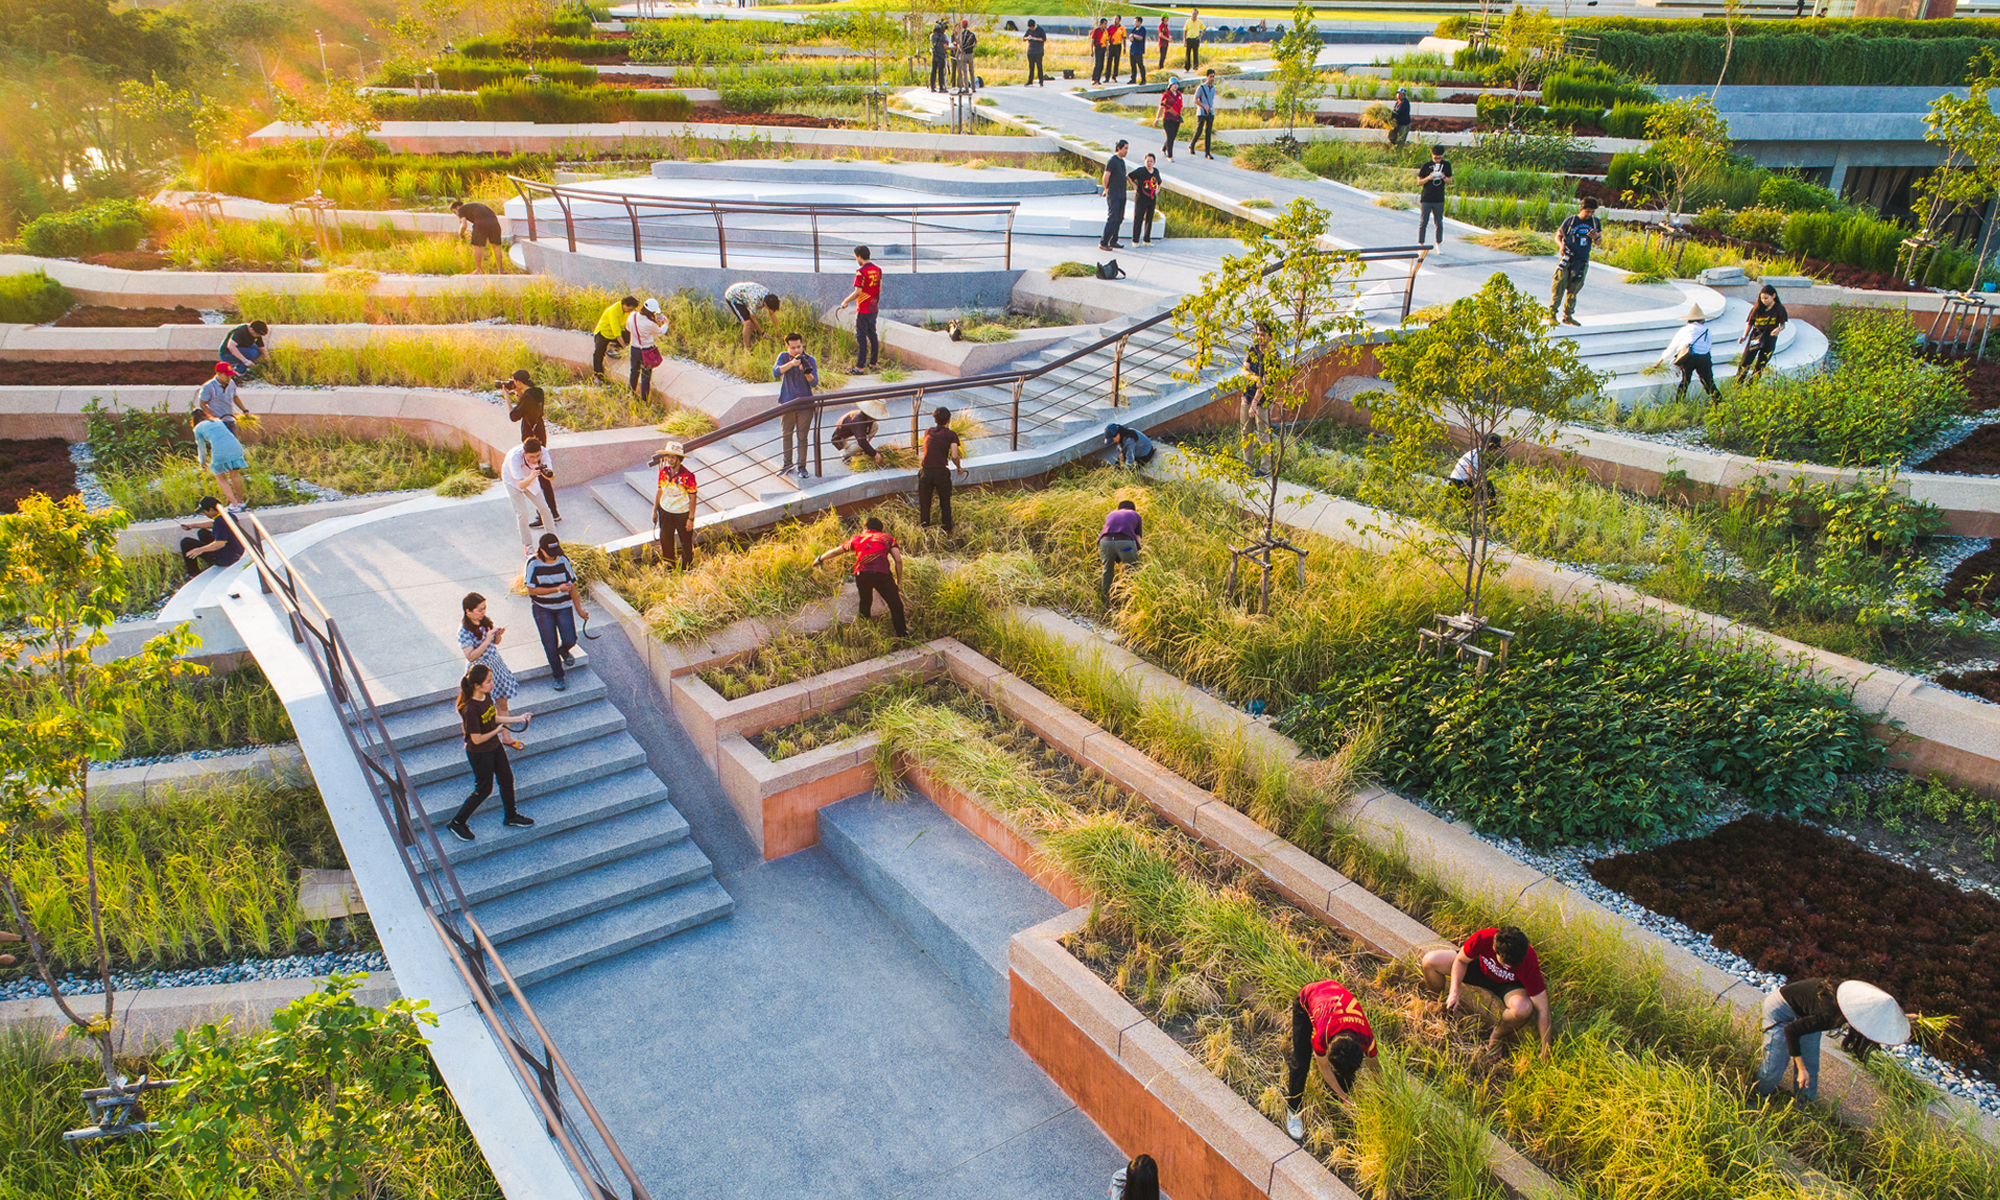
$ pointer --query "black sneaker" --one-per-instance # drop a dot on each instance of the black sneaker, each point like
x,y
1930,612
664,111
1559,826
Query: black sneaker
x,y
535,524
517,821
459,831
569,659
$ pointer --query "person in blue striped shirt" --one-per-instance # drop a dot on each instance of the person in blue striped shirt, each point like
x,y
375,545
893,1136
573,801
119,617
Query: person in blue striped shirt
x,y
551,583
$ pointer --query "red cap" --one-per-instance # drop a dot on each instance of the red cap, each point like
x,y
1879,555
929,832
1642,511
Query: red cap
x,y
223,368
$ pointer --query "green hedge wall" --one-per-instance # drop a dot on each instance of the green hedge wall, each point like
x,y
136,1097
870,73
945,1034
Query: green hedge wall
x,y
495,46
1596,93
1494,110
94,229
1827,53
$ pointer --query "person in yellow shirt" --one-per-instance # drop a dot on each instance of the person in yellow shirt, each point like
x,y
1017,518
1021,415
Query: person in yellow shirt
x,y
1191,38
1114,50
610,332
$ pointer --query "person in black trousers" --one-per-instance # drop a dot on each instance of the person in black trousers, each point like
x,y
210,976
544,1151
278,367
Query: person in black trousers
x,y
1113,183
1692,354
530,409
486,745
1037,39
943,450
1135,48
940,48
878,569
1145,198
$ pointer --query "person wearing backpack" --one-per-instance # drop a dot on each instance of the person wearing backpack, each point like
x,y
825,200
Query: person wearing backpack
x,y
967,40
1574,237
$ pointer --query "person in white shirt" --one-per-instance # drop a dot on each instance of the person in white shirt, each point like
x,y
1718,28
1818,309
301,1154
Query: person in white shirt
x,y
643,329
521,471
1467,468
744,299
1692,352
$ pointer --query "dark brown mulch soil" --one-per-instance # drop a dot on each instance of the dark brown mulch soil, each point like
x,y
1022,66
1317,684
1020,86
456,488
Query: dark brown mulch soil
x,y
35,465
1964,583
1982,381
17,373
1603,193
132,260
1983,684
105,316
717,116
1801,903
1978,454
1419,125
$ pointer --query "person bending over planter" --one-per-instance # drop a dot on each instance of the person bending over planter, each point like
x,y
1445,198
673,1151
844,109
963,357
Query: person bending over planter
x,y
1329,1030
486,750
878,567
482,225
243,346
1796,1014
1119,543
1501,962
611,334
857,426
744,299
219,453
218,397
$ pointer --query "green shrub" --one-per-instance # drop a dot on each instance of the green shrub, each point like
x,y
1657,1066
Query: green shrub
x,y
1792,194
758,97
1758,225
1856,53
132,439
583,48
469,74
1638,173
542,103
1507,213
1571,89
1495,110
94,229
32,298
1628,120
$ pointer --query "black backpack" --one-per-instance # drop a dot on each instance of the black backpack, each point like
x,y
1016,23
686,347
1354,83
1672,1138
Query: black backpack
x,y
1110,270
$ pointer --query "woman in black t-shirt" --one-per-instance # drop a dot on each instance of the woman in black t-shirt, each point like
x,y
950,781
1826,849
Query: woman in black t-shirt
x,y
1145,201
486,750
1760,334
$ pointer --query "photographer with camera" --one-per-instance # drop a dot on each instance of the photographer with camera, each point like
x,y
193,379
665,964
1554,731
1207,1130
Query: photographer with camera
x,y
525,470
529,409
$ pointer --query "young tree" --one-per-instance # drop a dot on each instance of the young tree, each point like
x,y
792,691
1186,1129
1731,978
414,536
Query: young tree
x,y
1300,85
1534,42
1970,132
1692,141
62,580
333,113
1485,370
1304,295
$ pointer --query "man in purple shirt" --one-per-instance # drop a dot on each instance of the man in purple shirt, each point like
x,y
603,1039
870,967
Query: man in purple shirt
x,y
1119,543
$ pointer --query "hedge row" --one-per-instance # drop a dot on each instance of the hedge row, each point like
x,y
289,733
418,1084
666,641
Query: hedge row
x,y
1596,93
545,104
471,74
1495,110
496,46
1795,58
94,229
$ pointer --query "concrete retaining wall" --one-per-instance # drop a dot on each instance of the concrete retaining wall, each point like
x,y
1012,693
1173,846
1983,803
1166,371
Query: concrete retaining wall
x,y
161,782
642,137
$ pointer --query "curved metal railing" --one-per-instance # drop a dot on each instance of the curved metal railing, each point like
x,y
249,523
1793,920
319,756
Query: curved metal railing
x,y
531,1052
944,234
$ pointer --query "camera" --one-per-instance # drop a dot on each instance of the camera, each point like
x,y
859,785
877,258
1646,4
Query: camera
x,y
503,385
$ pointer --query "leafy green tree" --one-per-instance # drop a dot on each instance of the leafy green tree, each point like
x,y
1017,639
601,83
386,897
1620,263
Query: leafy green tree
x,y
62,581
322,1096
332,114
1487,369
1969,130
1691,140
1534,41
1300,85
1302,292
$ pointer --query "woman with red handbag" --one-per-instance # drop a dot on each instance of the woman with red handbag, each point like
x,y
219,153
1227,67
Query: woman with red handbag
x,y
644,329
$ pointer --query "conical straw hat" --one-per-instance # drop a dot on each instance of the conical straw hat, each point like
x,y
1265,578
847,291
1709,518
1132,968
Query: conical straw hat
x,y
1873,1013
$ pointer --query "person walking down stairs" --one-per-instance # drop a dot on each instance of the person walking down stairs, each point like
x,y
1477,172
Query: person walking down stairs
x,y
486,742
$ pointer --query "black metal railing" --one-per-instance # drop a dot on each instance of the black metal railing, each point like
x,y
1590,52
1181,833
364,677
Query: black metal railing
x,y
946,235
530,1051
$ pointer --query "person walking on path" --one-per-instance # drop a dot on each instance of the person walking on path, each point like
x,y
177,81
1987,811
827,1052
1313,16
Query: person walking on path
x,y
797,374
1127,446
1118,543
940,51
878,568
1399,133
1692,353
218,398
551,582
643,331
1165,37
1135,49
1254,410
479,640
1503,964
1795,1016
611,331
967,42
1171,104
482,225
486,743
744,299
522,472
1330,1032
1138,1179
1097,52
943,450
1760,334
1432,178
218,452
1574,237
674,504
1037,40
1145,200
1191,39
243,346
1113,183
857,428
530,409
217,543
866,299
1204,116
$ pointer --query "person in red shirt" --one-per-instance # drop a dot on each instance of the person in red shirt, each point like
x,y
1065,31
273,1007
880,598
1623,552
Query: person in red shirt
x,y
878,567
673,504
866,297
1499,961
1330,1031
1097,52
1163,43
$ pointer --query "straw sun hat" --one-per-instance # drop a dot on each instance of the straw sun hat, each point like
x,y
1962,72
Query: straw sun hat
x,y
1695,314
874,410
670,450
1873,1013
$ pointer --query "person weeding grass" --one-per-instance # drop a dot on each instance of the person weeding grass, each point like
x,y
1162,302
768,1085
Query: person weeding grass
x,y
551,585
218,398
858,425
1136,1180
218,452
1119,543
673,504
878,567
1128,447
479,640
216,543
611,334
486,750
1797,1013
643,330
866,299
797,374
1692,352
522,471
243,346
943,450
530,408
1330,1031
744,298
482,225
1501,962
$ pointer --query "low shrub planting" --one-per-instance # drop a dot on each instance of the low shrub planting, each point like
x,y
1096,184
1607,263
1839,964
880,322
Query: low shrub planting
x,y
374,180
1627,120
582,47
32,298
459,361
107,225
285,245
543,103
1925,813
172,485
540,302
391,463
460,74
1503,111
1506,213
1789,193
1565,88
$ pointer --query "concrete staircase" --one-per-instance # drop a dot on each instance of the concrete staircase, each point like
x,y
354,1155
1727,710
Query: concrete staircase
x,y
608,865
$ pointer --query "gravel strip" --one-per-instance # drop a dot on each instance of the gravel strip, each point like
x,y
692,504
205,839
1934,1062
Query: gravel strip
x,y
300,966
184,756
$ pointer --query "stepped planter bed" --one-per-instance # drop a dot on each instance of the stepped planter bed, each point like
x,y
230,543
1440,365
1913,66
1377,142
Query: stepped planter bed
x,y
37,465
30,373
106,316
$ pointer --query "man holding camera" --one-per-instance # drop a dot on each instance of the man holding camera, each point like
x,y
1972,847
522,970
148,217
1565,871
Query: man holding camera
x,y
528,409
525,467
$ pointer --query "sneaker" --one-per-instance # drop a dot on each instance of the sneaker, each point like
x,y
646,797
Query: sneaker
x,y
561,685
1295,1127
1570,320
558,518
517,821
569,658
535,524
459,830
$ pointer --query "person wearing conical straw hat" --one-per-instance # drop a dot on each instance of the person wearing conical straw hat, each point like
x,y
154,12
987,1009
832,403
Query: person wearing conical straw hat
x,y
673,504
1798,1013
858,425
1692,353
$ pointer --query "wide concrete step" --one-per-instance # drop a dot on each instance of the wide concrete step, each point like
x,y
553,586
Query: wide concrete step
x,y
595,890
440,722
600,935
441,760
536,667
956,897
530,861
566,808
626,506
543,774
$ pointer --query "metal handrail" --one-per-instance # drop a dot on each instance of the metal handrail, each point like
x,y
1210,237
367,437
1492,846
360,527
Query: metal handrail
x,y
536,1061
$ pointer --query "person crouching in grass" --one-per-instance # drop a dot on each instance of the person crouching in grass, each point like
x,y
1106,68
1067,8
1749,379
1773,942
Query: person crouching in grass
x,y
1501,963
1330,1031
220,454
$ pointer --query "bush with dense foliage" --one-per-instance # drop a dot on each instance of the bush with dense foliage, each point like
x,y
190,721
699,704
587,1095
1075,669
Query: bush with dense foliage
x,y
93,229
542,103
1792,194
32,298
1861,239
1867,52
1568,88
1497,110
1628,120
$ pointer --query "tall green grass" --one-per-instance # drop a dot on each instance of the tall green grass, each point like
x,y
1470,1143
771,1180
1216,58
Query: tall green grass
x,y
191,712
32,298
174,484
541,302
461,361
282,245
392,462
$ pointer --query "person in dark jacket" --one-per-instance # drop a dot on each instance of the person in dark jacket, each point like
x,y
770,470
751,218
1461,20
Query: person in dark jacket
x,y
1432,178
1135,49
1798,1013
1037,40
1401,133
940,52
530,409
